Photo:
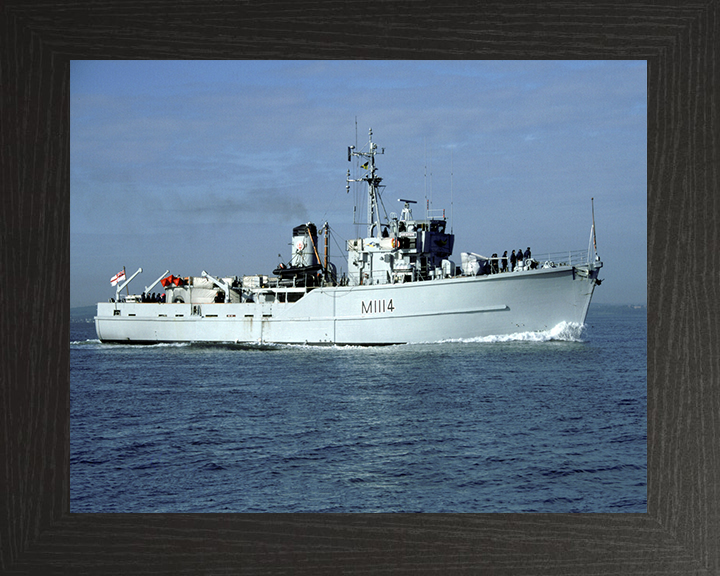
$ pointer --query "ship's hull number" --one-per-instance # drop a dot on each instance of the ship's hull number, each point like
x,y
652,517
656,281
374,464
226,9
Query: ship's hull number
x,y
377,306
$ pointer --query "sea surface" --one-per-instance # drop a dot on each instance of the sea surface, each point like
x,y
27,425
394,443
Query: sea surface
x,y
555,422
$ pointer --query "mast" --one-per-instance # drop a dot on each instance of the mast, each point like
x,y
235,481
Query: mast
x,y
373,184
325,262
592,201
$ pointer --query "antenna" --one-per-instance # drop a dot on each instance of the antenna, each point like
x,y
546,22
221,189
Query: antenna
x,y
425,145
451,191
431,179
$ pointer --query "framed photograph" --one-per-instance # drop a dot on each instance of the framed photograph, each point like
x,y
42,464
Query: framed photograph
x,y
49,531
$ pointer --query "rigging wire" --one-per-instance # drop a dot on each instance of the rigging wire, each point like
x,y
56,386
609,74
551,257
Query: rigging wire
x,y
333,236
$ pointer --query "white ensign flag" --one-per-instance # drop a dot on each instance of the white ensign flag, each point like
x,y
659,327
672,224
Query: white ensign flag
x,y
119,277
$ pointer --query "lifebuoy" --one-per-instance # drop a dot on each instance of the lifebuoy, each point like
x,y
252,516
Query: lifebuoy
x,y
394,243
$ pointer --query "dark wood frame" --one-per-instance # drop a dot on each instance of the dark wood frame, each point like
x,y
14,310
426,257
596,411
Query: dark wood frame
x,y
680,532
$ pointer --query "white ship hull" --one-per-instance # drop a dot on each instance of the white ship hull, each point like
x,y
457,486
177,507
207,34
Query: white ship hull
x,y
460,307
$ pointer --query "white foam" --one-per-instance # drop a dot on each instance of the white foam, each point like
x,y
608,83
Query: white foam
x,y
564,332
84,342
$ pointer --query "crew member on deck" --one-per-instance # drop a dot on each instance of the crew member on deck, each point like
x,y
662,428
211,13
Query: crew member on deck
x,y
512,261
504,261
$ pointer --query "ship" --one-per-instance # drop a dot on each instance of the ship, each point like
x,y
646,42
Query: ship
x,y
401,287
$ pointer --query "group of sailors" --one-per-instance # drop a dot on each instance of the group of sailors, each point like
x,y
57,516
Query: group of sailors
x,y
516,260
154,297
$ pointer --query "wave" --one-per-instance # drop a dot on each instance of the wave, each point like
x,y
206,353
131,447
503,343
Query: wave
x,y
563,332
84,342
96,342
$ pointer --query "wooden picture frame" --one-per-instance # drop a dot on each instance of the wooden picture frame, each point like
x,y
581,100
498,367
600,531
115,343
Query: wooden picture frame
x,y
680,532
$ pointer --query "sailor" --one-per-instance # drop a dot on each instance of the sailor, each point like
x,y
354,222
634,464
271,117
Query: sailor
x,y
527,253
512,261
504,261
493,263
519,256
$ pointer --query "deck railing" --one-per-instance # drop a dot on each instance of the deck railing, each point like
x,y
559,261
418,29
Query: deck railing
x,y
569,258
548,259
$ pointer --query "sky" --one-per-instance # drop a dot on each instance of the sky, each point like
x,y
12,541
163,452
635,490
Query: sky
x,y
208,165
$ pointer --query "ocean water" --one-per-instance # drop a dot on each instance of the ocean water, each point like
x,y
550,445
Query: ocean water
x,y
555,422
